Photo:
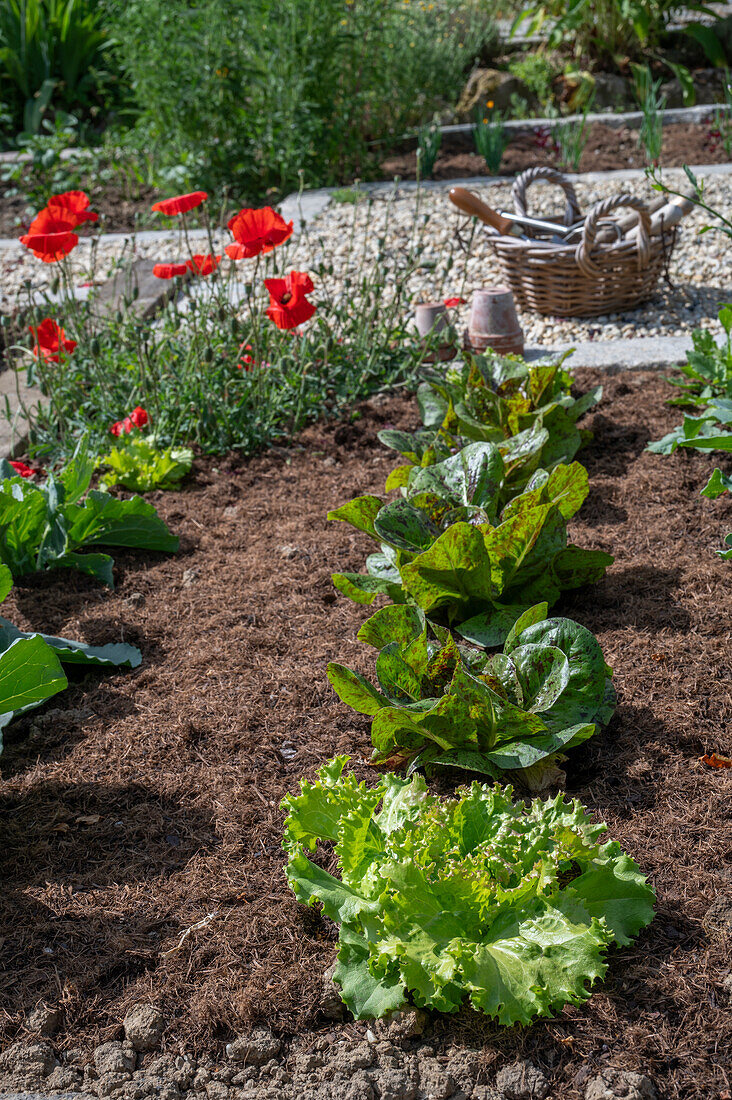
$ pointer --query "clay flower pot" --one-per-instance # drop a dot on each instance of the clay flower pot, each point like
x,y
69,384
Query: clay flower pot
x,y
431,319
493,322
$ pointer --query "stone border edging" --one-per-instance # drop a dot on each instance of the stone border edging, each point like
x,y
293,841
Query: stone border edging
x,y
609,118
307,206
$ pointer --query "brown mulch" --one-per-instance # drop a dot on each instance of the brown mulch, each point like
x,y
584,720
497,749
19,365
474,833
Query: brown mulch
x,y
607,148
138,804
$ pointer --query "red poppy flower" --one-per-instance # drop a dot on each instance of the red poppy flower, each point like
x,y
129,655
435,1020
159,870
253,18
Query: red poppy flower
x,y
50,237
257,231
72,206
169,271
288,306
23,470
203,265
139,417
451,303
181,204
50,341
248,361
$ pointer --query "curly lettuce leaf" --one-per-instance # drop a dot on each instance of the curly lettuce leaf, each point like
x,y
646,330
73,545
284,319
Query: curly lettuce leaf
x,y
507,905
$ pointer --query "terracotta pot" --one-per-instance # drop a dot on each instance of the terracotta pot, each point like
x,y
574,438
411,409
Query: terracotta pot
x,y
493,322
432,318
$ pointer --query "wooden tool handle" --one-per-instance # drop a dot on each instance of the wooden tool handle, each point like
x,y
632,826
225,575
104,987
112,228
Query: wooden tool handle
x,y
476,208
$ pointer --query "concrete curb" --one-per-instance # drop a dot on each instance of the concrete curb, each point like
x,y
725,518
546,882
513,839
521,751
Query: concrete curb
x,y
616,120
305,207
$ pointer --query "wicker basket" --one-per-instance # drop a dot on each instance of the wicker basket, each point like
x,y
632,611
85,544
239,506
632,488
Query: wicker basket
x,y
588,278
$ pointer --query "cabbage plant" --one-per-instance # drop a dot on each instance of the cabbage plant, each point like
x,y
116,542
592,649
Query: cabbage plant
x,y
31,663
46,526
509,906
446,547
438,703
494,399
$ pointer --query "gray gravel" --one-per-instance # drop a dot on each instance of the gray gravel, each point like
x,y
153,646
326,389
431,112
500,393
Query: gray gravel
x,y
416,236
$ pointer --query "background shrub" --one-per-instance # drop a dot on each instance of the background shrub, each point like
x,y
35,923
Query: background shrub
x,y
53,55
251,94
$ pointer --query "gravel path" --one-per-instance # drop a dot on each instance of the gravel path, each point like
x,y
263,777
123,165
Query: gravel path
x,y
416,236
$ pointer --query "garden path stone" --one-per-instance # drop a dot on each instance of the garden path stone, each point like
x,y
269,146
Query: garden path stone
x,y
152,293
718,918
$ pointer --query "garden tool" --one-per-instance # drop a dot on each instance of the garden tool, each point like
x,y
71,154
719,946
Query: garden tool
x,y
510,225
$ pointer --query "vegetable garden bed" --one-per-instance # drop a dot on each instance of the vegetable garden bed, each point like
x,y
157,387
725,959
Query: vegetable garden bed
x,y
148,803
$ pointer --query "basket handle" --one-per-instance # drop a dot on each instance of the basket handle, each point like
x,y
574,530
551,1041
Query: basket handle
x,y
572,212
583,254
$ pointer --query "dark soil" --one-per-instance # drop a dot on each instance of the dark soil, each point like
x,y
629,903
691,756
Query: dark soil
x,y
143,802
607,148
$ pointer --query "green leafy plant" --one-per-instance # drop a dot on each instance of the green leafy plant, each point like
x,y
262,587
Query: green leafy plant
x,y
537,72
699,432
718,484
507,905
45,526
697,197
708,367
652,103
490,138
570,138
139,465
429,140
53,53
441,704
326,83
526,409
472,576
613,29
29,662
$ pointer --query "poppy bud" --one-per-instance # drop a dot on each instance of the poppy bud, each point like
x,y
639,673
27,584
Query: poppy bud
x,y
118,316
208,354
54,285
222,313
135,292
235,327
95,347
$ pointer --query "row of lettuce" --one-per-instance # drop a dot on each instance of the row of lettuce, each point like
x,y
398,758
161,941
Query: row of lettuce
x,y
61,523
509,904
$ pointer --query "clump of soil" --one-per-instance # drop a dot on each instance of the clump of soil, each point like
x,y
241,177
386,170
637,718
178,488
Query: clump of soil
x,y
139,812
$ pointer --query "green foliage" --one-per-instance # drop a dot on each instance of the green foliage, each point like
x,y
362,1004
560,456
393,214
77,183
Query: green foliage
x,y
275,87
612,29
446,549
699,432
537,72
30,671
708,367
195,374
718,484
570,139
429,140
491,139
441,704
45,526
652,103
526,409
53,55
510,906
138,464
